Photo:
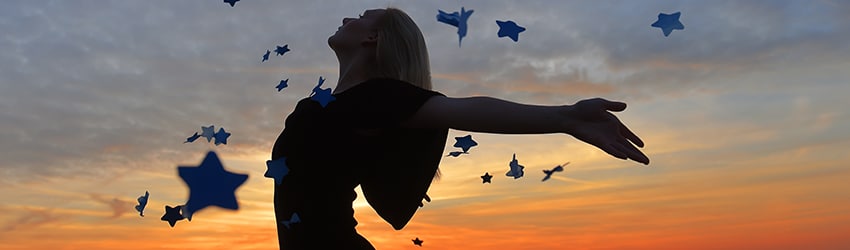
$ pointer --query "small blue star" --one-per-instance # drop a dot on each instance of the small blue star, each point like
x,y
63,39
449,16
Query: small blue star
x,y
323,96
282,84
292,220
143,201
486,178
276,170
221,136
172,215
231,2
208,132
516,169
266,55
510,29
281,50
192,138
465,142
210,185
668,23
456,19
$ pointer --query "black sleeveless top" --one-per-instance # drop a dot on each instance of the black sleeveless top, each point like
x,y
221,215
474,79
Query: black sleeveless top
x,y
355,140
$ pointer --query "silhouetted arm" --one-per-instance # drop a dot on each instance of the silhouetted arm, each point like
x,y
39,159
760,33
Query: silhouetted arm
x,y
587,120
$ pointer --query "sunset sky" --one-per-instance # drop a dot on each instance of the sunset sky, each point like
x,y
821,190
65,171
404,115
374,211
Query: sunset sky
x,y
744,115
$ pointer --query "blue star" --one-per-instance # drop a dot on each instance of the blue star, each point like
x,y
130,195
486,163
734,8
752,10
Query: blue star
x,y
266,55
192,138
516,169
292,220
221,136
276,169
549,173
172,215
486,178
417,242
323,96
282,84
465,143
231,2
668,23
281,50
210,185
510,29
456,19
208,132
143,201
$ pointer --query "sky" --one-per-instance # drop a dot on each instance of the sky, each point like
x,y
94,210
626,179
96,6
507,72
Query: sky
x,y
743,114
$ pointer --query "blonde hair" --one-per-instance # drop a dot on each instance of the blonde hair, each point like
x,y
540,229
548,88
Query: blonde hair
x,y
401,52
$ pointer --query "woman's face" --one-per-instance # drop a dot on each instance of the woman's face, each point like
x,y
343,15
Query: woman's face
x,y
356,32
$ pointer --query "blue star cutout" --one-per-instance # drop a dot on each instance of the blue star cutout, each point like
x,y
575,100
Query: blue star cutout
x,y
549,173
510,29
465,142
516,169
266,55
172,215
456,153
486,178
276,169
221,136
668,23
231,2
283,84
323,96
292,220
456,19
281,50
143,201
208,132
417,242
210,185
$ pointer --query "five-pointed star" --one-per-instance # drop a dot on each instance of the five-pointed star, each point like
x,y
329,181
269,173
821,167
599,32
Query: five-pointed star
x,y
276,170
282,84
266,55
486,178
281,50
231,2
417,241
143,201
516,169
172,215
210,185
221,136
510,29
208,132
465,142
668,23
456,19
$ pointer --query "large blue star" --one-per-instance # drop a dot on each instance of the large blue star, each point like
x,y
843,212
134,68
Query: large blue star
x,y
668,23
276,170
510,29
456,19
210,185
281,50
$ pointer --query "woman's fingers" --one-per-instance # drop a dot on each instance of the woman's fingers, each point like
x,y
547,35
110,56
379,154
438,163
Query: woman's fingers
x,y
631,152
626,132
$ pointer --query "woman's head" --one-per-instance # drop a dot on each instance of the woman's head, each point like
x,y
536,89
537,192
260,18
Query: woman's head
x,y
398,45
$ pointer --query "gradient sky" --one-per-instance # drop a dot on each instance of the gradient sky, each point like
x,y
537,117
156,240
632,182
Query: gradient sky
x,y
743,114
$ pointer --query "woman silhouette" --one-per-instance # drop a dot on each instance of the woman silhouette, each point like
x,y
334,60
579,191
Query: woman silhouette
x,y
386,131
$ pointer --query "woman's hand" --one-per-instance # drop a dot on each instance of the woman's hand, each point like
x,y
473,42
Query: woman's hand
x,y
590,122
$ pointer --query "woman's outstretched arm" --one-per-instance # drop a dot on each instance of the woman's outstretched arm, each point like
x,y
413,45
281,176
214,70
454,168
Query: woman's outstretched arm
x,y
588,120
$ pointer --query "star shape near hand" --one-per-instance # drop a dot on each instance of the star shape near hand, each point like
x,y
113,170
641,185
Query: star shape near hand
x,y
266,55
456,19
143,201
283,84
486,178
323,96
221,136
417,242
516,169
208,132
210,185
668,23
510,29
281,50
231,2
172,215
276,170
465,143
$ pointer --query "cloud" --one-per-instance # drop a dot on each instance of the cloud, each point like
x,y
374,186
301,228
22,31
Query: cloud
x,y
31,218
117,206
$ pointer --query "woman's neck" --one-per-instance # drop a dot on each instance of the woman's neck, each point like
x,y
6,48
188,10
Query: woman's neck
x,y
353,70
